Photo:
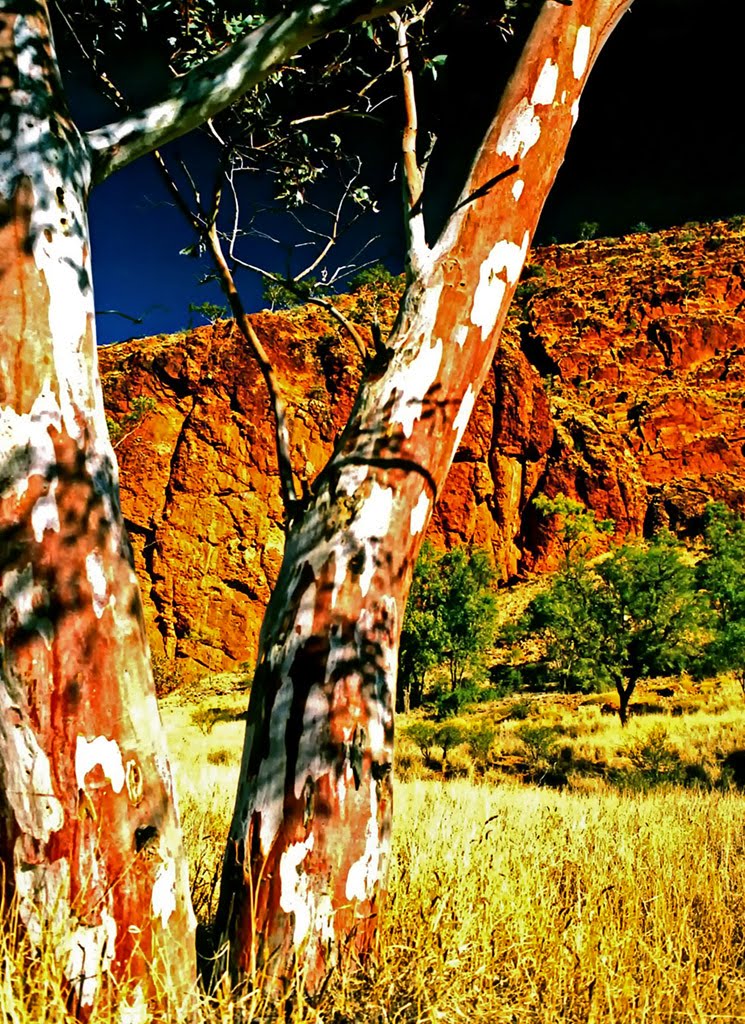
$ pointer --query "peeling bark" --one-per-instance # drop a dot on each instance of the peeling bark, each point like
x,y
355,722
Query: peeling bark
x,y
89,836
306,861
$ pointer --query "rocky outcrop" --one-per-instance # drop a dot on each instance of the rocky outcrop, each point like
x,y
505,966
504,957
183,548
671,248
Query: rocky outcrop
x,y
620,380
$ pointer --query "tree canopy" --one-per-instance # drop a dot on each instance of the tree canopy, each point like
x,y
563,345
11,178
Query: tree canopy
x,y
632,614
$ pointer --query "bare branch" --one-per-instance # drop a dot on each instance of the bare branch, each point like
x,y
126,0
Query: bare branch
x,y
345,322
214,85
282,434
413,180
206,225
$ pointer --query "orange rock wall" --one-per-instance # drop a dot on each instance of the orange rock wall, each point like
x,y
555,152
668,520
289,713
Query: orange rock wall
x,y
620,381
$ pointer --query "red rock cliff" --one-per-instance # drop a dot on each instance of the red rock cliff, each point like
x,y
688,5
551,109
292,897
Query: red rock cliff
x,y
620,381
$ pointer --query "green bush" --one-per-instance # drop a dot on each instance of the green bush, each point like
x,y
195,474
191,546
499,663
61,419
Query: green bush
x,y
588,229
449,621
539,742
635,614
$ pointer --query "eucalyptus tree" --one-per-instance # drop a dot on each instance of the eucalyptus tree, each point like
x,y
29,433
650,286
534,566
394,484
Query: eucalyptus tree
x,y
90,843
90,831
309,844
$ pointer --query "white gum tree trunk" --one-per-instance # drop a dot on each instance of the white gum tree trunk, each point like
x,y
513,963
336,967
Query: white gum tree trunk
x,y
90,845
89,837
306,861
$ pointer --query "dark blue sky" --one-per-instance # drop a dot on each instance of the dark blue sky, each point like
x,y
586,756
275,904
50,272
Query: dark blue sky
x,y
659,140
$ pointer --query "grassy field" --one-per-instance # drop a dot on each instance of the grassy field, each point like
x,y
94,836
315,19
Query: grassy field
x,y
511,902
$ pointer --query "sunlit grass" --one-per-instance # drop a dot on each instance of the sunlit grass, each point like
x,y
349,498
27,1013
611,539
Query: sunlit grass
x,y
508,903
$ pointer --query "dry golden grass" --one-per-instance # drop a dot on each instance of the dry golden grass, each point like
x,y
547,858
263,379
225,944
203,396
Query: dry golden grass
x,y
508,903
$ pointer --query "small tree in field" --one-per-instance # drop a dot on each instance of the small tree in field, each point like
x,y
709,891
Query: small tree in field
x,y
449,618
653,618
565,614
468,611
635,614
422,642
721,573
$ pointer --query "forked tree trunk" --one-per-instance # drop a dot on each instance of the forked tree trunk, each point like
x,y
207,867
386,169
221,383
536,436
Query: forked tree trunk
x,y
306,860
89,838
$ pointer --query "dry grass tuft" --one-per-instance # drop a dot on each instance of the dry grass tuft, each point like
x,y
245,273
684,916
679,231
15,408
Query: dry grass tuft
x,y
509,904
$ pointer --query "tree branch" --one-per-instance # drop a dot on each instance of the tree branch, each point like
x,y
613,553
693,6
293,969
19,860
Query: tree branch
x,y
206,225
214,85
413,180
282,434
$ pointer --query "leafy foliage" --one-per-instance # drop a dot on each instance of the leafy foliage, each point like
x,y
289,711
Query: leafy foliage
x,y
636,613
577,529
449,618
721,573
210,311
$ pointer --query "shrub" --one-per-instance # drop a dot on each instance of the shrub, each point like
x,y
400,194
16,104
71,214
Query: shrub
x,y
220,757
520,710
655,761
168,675
539,742
588,229
449,619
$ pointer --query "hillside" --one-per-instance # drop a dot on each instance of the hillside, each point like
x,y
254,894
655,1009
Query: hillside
x,y
620,380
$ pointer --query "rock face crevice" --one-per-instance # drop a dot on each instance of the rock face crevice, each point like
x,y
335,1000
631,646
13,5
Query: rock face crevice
x,y
620,380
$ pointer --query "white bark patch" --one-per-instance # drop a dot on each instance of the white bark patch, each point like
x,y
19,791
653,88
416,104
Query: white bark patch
x,y
97,578
419,514
575,111
311,760
352,478
269,797
43,892
341,790
363,874
23,597
45,514
464,414
163,899
306,613
30,436
505,258
545,88
90,950
136,1011
374,517
89,754
28,775
520,132
376,735
295,893
581,54
460,334
517,189
372,522
324,919
411,383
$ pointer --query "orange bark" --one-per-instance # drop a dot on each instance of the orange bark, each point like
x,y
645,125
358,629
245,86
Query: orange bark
x,y
306,861
89,839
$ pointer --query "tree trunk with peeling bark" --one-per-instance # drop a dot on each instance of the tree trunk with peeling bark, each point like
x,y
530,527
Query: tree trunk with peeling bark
x,y
90,844
90,841
306,861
